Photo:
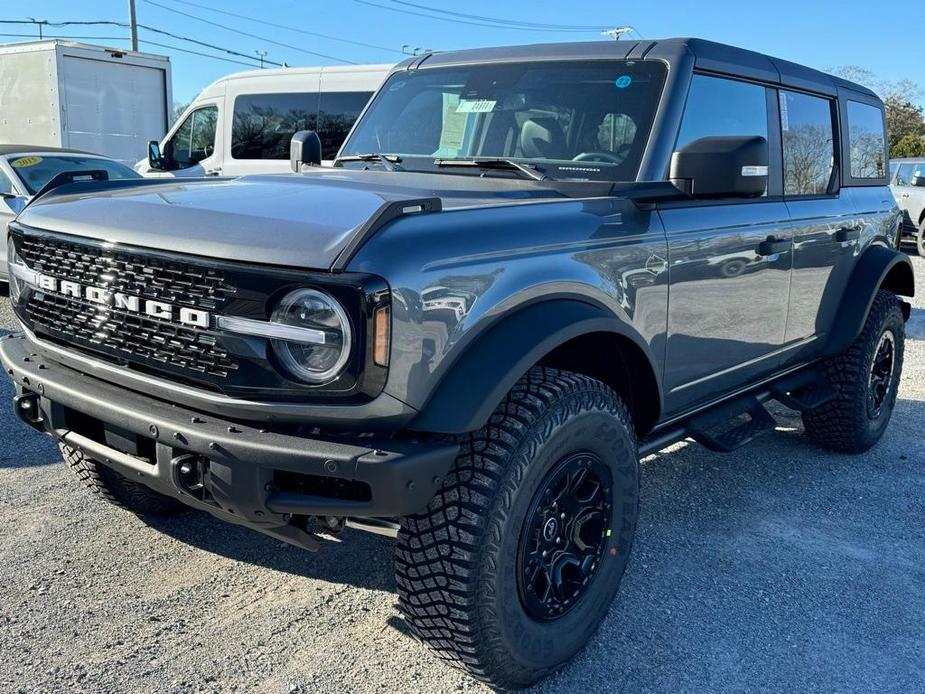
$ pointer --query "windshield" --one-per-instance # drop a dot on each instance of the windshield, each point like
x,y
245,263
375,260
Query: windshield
x,y
35,170
585,120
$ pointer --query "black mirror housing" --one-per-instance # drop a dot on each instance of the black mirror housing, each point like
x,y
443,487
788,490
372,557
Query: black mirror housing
x,y
719,167
304,148
155,158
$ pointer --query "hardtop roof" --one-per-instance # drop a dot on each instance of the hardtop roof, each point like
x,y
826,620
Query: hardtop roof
x,y
708,55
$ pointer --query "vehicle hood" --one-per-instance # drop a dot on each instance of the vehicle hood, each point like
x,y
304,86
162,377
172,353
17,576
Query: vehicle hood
x,y
294,220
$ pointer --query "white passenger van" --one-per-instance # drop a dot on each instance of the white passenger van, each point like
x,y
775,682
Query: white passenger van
x,y
242,123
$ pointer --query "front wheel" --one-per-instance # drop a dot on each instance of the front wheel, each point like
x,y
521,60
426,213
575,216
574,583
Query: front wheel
x,y
513,565
920,239
866,381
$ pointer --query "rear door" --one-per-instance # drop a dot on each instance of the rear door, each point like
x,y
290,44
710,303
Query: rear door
x,y
729,293
826,228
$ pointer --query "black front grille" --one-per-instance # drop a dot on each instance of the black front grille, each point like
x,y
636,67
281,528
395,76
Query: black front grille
x,y
127,336
145,276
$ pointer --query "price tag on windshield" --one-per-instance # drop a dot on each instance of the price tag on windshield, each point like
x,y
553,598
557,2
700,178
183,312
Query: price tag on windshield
x,y
476,106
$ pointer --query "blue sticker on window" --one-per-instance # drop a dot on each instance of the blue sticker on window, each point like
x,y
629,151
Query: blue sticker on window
x,y
623,81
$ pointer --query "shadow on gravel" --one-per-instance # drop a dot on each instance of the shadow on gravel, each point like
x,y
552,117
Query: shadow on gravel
x,y
359,559
915,327
779,564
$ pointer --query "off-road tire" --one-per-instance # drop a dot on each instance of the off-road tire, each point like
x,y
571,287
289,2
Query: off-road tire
x,y
920,238
844,424
117,489
456,566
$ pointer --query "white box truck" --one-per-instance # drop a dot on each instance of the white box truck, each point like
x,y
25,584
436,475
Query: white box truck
x,y
65,94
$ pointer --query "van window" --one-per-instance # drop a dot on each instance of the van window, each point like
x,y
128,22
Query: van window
x,y
809,144
263,124
866,140
194,140
719,107
336,115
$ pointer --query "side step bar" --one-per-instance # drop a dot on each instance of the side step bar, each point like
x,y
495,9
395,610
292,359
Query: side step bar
x,y
734,423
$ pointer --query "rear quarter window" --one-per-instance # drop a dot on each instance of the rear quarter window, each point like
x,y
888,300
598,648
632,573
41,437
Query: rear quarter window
x,y
263,124
866,141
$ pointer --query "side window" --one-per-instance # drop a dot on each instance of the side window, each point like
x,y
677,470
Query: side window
x,y
336,115
718,107
808,142
721,107
194,140
866,141
6,186
904,174
263,124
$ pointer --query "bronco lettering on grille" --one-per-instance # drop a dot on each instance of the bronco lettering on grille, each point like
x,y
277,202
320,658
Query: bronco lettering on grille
x,y
125,302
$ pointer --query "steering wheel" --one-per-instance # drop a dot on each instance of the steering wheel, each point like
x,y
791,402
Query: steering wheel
x,y
605,157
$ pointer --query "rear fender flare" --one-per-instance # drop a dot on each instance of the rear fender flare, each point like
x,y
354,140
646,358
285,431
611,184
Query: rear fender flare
x,y
480,378
878,268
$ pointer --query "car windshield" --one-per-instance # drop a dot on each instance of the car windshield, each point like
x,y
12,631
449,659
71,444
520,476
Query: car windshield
x,y
35,170
587,120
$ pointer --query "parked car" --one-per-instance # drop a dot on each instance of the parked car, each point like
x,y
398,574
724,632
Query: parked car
x,y
514,284
908,186
242,123
26,169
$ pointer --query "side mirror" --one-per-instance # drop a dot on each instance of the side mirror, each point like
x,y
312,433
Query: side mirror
x,y
155,158
304,148
720,167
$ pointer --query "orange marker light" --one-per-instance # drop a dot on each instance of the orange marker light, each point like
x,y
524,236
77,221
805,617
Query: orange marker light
x,y
382,325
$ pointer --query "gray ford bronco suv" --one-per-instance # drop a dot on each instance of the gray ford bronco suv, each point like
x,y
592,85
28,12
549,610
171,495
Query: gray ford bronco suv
x,y
530,267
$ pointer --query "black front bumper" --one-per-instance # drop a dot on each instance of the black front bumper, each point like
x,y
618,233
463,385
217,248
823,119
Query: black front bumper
x,y
253,475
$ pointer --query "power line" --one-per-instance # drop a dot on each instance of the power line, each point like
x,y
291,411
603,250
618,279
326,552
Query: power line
x,y
204,55
513,23
204,44
56,36
287,28
249,35
464,21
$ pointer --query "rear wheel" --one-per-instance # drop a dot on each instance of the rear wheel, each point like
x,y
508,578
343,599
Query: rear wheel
x,y
866,380
920,239
117,489
514,564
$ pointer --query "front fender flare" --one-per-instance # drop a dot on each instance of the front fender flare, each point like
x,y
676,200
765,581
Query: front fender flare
x,y
481,377
877,268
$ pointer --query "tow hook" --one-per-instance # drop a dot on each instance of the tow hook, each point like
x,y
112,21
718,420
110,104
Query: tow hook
x,y
28,408
189,474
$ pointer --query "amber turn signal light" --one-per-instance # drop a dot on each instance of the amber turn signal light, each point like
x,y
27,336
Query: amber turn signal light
x,y
382,325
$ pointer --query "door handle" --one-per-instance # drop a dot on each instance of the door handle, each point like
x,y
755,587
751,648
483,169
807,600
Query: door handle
x,y
773,245
847,234
214,172
904,195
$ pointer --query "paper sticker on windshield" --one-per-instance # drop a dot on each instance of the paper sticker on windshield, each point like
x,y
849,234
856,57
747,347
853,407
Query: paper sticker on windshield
x,y
476,106
23,162
623,81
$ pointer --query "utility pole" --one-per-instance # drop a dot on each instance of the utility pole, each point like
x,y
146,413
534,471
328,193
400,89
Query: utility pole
x,y
617,32
261,55
39,23
133,24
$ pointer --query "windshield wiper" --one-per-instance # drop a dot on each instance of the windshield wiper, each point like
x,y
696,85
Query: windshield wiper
x,y
388,161
505,164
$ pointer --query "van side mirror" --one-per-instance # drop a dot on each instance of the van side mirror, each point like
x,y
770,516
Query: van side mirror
x,y
304,148
155,158
721,167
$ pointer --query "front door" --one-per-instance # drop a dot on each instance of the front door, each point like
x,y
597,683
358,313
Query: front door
x,y
191,149
729,260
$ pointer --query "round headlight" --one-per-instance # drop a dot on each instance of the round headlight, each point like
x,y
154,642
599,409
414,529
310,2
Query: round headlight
x,y
326,346
12,258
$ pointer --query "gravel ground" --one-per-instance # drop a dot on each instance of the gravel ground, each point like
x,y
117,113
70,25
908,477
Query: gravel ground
x,y
778,568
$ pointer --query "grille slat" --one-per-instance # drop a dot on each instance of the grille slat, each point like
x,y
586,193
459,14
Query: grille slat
x,y
125,336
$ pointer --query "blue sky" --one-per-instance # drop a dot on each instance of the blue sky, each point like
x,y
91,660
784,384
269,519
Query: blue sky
x,y
818,33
